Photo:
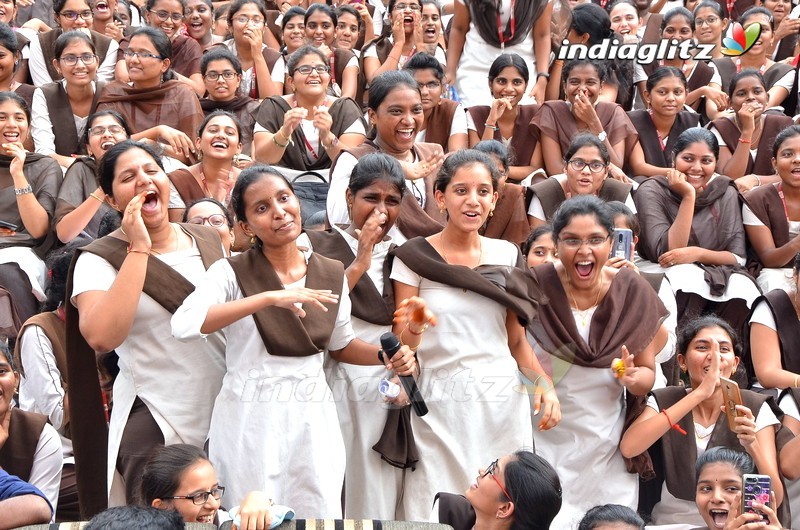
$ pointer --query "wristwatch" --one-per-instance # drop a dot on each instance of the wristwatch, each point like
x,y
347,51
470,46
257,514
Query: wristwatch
x,y
546,75
602,136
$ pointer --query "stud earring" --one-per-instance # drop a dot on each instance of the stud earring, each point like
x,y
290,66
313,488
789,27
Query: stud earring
x,y
491,213
253,239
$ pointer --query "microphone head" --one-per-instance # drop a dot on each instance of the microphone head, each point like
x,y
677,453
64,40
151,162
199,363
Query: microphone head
x,y
389,342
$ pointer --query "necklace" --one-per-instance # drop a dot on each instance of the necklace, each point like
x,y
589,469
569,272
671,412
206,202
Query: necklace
x,y
761,70
583,314
447,259
512,26
177,242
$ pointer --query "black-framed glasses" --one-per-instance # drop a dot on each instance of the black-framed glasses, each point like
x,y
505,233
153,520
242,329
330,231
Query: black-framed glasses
x,y
595,167
711,20
490,471
141,55
215,220
244,19
201,497
431,85
592,242
100,130
412,7
72,60
306,69
226,75
73,15
164,15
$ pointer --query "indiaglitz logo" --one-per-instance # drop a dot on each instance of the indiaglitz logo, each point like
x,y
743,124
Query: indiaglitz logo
x,y
613,49
741,40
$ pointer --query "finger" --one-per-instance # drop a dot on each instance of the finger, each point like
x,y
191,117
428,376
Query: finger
x,y
537,403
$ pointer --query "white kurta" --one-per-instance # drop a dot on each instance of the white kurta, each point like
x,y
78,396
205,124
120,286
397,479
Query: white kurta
x,y
274,426
478,409
178,382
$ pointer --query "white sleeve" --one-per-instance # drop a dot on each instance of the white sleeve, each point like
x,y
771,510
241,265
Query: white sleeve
x,y
470,123
357,127
92,273
667,298
278,73
789,406
343,332
787,81
105,72
459,125
176,202
639,74
536,210
41,126
749,218
403,274
36,66
766,418
258,128
716,133
763,315
353,62
47,465
40,388
716,78
218,286
340,179
440,56
630,204
652,403
371,52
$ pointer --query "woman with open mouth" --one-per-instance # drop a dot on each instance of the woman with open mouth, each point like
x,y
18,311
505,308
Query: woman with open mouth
x,y
199,22
746,138
104,22
576,340
11,63
688,421
691,217
284,311
506,120
585,172
320,23
122,307
432,30
70,15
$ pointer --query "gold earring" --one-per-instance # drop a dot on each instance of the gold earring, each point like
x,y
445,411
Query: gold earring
x,y
491,213
253,239
442,209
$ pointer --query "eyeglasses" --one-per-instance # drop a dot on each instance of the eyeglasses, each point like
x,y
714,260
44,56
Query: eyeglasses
x,y
141,55
227,75
201,497
595,167
216,220
244,19
72,60
703,21
592,242
164,15
100,130
412,7
306,69
73,15
490,471
433,85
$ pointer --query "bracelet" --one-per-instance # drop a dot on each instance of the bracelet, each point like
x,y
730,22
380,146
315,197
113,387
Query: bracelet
x,y
275,141
132,250
92,195
23,191
546,75
742,141
674,426
404,343
492,127
424,327
795,380
758,179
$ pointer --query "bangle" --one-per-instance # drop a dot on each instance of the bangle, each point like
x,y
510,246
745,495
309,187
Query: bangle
x,y
758,180
546,75
92,195
132,250
674,426
795,380
23,191
492,127
424,327
404,343
275,141
743,141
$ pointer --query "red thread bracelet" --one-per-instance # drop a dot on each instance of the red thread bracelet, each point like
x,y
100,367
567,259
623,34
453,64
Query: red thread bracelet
x,y
673,425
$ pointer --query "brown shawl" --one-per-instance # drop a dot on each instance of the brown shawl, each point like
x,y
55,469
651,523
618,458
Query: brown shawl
x,y
79,182
19,451
62,120
88,426
53,327
766,204
172,103
283,332
551,194
48,42
727,69
773,124
270,113
440,122
648,136
186,186
525,136
509,219
456,511
368,304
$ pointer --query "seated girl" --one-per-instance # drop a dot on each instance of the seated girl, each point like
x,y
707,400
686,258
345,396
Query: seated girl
x,y
539,247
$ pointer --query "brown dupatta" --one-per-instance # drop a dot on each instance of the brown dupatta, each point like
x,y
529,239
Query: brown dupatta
x,y
283,332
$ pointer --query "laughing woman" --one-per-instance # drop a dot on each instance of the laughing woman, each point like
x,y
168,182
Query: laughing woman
x,y
282,311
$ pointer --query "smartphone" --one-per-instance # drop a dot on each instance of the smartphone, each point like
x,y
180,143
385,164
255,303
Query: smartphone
x,y
622,239
732,397
10,226
756,489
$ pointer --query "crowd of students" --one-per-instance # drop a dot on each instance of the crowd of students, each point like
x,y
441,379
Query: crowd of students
x,y
213,213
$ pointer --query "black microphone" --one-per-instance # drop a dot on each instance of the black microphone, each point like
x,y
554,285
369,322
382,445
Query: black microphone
x,y
390,345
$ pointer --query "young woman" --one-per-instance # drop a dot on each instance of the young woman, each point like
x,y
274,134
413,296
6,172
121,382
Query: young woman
x,y
210,212
70,15
784,42
707,350
625,20
199,22
779,77
180,478
610,516
505,119
586,172
571,332
276,348
396,114
539,247
154,96
481,29
218,141
520,490
60,109
222,73
771,216
746,138
508,221
121,307
103,21
31,184
661,124
559,121
374,195
293,30
10,57
432,30
351,18
692,217
320,24
306,130
429,276
445,120
709,24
